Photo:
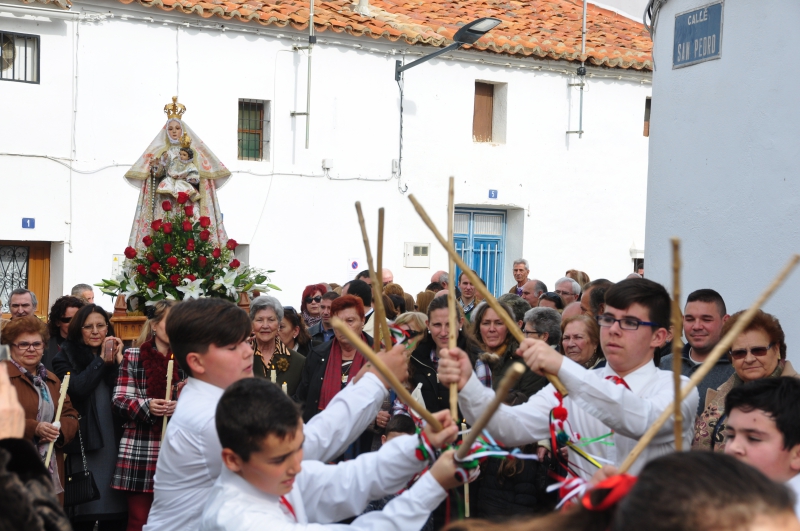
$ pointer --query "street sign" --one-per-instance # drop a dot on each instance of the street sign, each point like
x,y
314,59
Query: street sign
x,y
492,194
28,223
698,35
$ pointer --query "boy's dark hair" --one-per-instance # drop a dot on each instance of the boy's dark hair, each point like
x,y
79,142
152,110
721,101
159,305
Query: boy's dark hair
x,y
196,324
362,290
708,295
249,411
401,424
649,294
777,397
188,151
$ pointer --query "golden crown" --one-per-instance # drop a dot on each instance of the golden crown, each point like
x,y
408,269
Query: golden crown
x,y
174,109
186,140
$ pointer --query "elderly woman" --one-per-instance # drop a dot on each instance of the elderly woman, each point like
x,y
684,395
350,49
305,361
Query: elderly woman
x,y
271,358
580,341
92,355
309,306
293,332
139,398
61,314
758,352
39,391
500,348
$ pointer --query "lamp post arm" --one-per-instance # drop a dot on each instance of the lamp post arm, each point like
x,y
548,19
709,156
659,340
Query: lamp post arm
x,y
399,69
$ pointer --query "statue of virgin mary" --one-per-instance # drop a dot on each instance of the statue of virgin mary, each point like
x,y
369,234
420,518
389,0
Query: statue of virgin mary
x,y
177,161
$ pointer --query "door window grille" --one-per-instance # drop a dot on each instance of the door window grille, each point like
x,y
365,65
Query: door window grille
x,y
479,237
13,271
253,130
19,57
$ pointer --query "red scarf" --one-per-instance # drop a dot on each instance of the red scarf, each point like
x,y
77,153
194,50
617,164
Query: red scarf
x,y
332,381
155,370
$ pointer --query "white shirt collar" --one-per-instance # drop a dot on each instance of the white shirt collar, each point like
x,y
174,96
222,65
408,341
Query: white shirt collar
x,y
638,378
204,388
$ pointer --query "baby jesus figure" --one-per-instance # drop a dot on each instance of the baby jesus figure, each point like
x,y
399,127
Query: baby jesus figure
x,y
181,175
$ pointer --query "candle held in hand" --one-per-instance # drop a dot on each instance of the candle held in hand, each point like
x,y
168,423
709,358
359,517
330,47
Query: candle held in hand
x,y
273,376
284,388
57,420
170,366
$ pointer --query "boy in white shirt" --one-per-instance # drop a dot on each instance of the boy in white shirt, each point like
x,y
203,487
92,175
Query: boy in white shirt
x,y
763,429
266,484
616,404
209,338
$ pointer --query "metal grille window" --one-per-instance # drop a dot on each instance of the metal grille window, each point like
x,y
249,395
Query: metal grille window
x,y
13,271
253,132
19,57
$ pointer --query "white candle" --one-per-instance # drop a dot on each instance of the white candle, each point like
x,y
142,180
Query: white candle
x,y
466,485
57,421
273,376
284,388
169,394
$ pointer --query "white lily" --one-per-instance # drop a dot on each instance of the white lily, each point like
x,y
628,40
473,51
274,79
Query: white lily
x,y
228,281
131,290
192,289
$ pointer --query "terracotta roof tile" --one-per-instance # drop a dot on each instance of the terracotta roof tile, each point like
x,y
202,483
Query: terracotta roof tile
x,y
549,29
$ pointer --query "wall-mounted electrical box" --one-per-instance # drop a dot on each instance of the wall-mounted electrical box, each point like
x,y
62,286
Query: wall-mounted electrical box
x,y
417,255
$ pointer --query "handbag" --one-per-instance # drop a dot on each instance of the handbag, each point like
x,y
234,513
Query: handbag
x,y
80,487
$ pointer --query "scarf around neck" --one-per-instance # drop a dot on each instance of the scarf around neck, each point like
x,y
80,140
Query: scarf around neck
x,y
155,370
332,381
310,320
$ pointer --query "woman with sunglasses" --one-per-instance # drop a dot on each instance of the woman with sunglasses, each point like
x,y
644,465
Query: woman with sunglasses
x,y
310,307
61,314
39,392
92,355
758,352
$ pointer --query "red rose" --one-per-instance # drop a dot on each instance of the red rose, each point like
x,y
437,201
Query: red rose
x,y
156,225
189,211
175,279
152,285
141,269
155,267
187,226
167,228
172,261
235,263
166,206
150,257
130,252
147,240
216,253
190,244
191,277
188,261
182,198
202,261
204,235
167,248
205,222
231,244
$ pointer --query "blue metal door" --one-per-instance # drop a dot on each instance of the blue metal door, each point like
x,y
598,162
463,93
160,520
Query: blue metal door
x,y
479,237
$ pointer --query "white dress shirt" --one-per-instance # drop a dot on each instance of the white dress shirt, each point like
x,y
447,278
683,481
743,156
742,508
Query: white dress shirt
x,y
596,406
190,458
794,486
323,494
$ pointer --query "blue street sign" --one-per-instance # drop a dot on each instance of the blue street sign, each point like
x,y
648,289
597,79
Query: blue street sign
x,y
698,35
492,194
28,223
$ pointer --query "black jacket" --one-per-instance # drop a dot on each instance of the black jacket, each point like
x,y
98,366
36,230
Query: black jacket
x,y
422,370
310,386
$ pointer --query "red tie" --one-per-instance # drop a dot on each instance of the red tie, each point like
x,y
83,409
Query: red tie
x,y
619,381
288,506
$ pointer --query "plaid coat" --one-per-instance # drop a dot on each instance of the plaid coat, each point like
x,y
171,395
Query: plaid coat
x,y
141,439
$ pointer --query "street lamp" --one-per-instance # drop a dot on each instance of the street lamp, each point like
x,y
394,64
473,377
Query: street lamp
x,y
467,34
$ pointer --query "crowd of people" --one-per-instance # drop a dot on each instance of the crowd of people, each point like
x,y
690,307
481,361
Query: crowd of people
x,y
319,437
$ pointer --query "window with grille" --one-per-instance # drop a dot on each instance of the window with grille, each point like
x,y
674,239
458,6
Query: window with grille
x,y
253,131
19,57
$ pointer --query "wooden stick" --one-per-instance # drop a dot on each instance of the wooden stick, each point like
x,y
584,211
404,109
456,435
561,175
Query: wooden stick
x,y
466,485
718,351
377,286
374,359
379,273
452,313
57,420
512,375
677,325
169,394
511,325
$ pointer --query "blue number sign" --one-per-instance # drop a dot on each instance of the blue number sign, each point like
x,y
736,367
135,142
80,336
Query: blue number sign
x,y
698,35
492,194
28,223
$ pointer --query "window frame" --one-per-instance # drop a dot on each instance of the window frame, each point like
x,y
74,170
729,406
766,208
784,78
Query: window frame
x,y
38,41
263,133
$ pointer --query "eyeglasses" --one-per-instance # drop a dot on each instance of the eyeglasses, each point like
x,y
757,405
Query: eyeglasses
x,y
65,320
531,332
740,353
289,309
562,293
99,328
626,323
315,299
36,345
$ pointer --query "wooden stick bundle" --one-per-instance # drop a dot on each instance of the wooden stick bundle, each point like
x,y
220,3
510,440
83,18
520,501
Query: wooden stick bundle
x,y
512,375
377,285
722,348
57,419
398,387
511,325
677,324
452,313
